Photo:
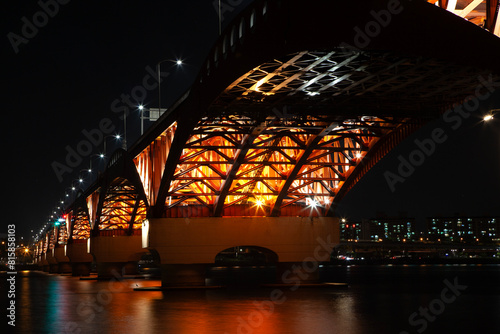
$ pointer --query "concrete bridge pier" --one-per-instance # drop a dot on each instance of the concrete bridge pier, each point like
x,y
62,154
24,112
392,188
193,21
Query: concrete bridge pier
x,y
43,263
187,247
116,255
51,266
80,259
63,263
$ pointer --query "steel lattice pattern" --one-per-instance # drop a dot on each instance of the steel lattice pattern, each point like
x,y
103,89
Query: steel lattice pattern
x,y
81,225
121,207
263,166
347,81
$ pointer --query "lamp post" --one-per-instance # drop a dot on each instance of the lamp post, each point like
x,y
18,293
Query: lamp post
x,y
124,143
489,116
117,137
141,108
67,194
101,156
178,62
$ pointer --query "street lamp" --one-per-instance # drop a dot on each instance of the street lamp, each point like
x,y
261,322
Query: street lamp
x,y
89,170
67,194
117,137
141,108
488,117
178,62
154,114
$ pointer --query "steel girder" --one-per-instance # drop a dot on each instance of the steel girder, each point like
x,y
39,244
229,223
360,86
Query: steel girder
x,y
80,223
121,203
272,162
116,202
483,13
282,115
122,207
292,131
347,82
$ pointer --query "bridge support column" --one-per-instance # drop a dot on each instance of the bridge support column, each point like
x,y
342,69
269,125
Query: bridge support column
x,y
187,246
80,259
44,264
80,268
116,255
52,266
63,265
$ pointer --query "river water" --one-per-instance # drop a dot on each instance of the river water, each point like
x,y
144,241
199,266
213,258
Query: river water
x,y
379,299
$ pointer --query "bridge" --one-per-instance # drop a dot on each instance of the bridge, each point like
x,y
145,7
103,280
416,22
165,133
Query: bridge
x,y
292,107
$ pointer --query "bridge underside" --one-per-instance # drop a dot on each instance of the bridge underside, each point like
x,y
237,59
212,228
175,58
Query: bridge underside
x,y
282,121
286,138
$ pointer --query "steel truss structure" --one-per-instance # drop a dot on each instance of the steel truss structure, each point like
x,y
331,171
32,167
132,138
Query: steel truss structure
x,y
265,166
283,138
80,223
62,234
346,82
301,127
122,207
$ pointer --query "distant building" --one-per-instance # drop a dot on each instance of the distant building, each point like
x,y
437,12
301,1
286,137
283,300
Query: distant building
x,y
351,231
379,229
464,229
392,229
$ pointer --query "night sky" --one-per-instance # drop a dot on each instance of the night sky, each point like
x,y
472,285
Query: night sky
x,y
64,79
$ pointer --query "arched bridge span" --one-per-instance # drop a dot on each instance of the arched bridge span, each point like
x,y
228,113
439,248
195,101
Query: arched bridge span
x,y
293,105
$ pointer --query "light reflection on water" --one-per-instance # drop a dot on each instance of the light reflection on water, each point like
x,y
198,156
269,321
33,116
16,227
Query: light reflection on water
x,y
379,300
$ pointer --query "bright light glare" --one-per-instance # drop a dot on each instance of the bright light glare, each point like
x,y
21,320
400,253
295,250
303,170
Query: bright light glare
x,y
141,107
259,83
313,203
259,202
178,62
358,155
487,118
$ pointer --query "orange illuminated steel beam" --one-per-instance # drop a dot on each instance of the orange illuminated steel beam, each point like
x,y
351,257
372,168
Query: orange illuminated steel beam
x,y
62,234
300,167
80,227
232,161
246,155
239,159
483,13
122,208
150,163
